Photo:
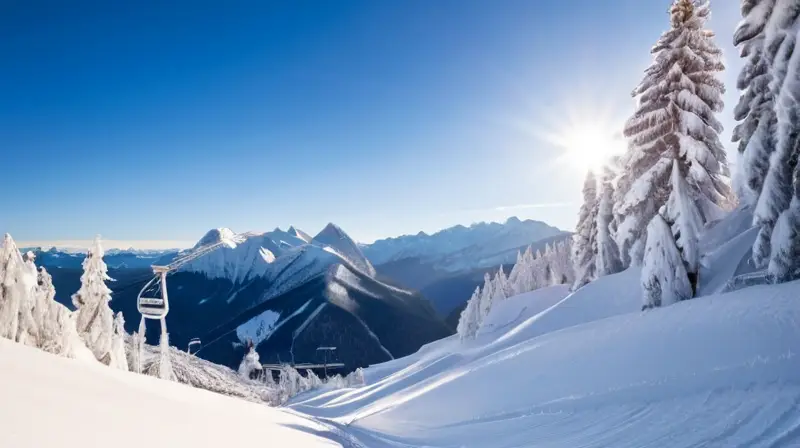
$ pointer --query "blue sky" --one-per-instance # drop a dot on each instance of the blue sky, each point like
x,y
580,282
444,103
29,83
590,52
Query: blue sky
x,y
154,121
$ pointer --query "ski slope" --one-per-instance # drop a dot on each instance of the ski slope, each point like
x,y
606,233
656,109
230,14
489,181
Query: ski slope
x,y
590,369
49,401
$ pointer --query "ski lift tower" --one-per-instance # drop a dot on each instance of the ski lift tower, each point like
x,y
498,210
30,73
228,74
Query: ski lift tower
x,y
326,350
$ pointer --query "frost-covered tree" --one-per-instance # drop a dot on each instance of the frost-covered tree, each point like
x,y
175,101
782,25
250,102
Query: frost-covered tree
x,y
95,320
776,193
584,244
560,267
487,296
10,266
784,264
28,329
664,278
675,120
755,111
501,287
57,333
250,363
119,359
681,211
469,322
608,259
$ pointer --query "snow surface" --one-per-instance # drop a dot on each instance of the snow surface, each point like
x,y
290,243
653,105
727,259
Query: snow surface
x,y
57,402
592,370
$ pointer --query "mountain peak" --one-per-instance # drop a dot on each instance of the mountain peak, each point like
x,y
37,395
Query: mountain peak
x,y
215,236
333,236
513,221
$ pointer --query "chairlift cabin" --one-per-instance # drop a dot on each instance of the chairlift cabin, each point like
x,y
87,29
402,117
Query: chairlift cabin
x,y
194,342
153,302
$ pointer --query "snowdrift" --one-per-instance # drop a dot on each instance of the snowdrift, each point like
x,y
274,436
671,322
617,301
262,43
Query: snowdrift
x,y
58,402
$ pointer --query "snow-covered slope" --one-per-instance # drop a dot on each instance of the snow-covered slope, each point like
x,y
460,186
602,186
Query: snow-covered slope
x,y
56,402
590,369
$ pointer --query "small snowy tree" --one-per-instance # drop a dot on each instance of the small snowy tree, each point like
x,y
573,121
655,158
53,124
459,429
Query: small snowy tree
x,y
675,120
608,259
501,288
687,223
776,193
664,278
487,296
28,330
119,359
250,363
468,323
95,320
584,244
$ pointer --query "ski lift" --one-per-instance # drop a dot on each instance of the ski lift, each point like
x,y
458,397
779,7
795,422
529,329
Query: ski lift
x,y
153,302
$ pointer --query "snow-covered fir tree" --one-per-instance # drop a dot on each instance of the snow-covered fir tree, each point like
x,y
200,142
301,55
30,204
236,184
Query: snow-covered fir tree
x,y
119,358
469,322
487,296
675,120
95,320
501,286
28,330
10,272
560,268
755,132
58,334
664,278
682,213
608,260
584,243
776,193
250,364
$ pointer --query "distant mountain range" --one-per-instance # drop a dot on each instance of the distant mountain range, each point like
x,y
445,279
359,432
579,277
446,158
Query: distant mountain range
x,y
462,248
291,293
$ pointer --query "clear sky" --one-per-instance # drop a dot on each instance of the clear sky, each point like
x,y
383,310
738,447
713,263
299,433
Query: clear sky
x,y
155,121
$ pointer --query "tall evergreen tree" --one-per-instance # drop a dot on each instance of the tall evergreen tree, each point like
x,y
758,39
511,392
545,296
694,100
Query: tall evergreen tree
x,y
776,193
584,244
95,320
11,265
754,111
608,259
675,120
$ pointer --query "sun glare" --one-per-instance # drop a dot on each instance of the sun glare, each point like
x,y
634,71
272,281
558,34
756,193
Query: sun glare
x,y
589,146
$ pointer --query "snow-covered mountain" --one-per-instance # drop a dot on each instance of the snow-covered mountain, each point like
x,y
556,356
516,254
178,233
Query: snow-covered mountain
x,y
290,293
459,248
254,256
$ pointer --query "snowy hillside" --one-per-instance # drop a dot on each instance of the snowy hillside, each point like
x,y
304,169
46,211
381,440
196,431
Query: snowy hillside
x,y
47,401
590,369
460,247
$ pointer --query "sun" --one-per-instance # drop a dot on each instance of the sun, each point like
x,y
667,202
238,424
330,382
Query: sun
x,y
588,146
